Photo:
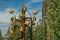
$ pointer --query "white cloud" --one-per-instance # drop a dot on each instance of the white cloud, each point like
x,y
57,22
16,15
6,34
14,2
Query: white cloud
x,y
5,16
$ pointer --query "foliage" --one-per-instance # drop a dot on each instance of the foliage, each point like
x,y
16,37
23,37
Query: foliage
x,y
52,23
40,33
53,13
0,35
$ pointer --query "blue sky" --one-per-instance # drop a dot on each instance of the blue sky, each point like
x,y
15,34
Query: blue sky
x,y
5,5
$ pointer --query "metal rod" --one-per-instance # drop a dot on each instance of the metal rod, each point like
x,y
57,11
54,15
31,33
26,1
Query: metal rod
x,y
31,30
14,27
23,21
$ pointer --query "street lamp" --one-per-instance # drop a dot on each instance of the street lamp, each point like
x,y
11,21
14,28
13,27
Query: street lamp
x,y
34,29
24,7
11,31
34,18
27,22
24,22
21,29
20,15
35,12
11,11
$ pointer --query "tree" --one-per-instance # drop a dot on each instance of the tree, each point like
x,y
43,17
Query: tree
x,y
1,36
53,13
